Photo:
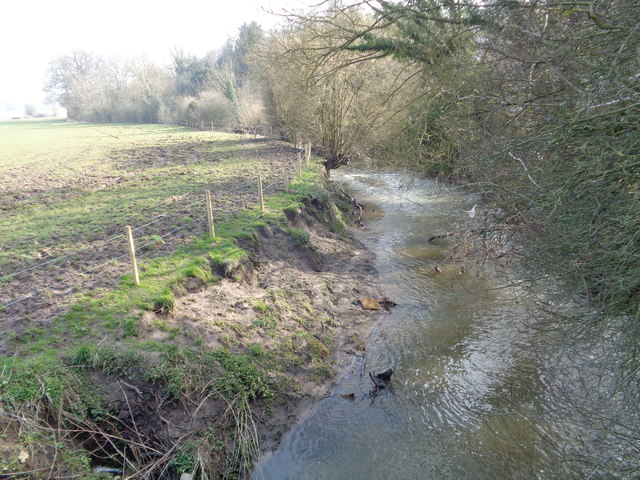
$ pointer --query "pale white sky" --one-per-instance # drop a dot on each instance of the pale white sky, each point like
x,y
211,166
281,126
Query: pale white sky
x,y
35,32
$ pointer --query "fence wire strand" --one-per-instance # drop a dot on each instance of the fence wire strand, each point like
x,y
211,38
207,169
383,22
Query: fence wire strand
x,y
34,292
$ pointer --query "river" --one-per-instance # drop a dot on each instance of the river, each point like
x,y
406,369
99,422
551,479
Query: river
x,y
465,387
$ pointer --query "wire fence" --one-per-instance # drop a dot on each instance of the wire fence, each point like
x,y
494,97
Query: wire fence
x,y
160,235
255,130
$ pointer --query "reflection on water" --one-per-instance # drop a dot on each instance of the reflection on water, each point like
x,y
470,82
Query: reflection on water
x,y
463,387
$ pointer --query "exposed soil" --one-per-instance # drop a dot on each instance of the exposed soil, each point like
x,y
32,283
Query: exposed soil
x,y
310,289
294,299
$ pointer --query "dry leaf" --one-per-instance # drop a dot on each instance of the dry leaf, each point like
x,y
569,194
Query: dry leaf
x,y
369,303
24,456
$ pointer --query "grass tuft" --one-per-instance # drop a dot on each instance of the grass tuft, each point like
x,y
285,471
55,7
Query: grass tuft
x,y
299,236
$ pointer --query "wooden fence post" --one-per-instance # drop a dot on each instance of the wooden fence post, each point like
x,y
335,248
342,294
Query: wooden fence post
x,y
286,179
299,165
260,194
307,152
132,254
212,230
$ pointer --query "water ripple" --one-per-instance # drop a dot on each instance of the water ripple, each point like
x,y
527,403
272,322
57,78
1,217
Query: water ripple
x,y
462,379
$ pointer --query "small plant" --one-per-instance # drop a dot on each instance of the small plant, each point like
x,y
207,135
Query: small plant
x,y
165,327
228,340
255,349
212,437
302,321
267,323
154,242
74,460
184,461
199,272
110,360
228,259
338,227
260,306
242,377
130,327
322,372
299,236
316,348
164,302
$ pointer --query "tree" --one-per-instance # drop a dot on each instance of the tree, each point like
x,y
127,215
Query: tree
x,y
72,80
149,90
30,110
343,106
250,36
191,75
536,103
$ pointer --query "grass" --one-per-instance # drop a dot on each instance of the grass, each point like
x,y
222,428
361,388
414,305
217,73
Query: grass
x,y
47,381
116,311
69,184
300,237
59,386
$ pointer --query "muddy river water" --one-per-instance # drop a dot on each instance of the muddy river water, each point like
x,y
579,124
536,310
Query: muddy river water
x,y
464,390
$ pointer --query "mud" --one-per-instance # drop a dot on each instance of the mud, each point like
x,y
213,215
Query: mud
x,y
309,289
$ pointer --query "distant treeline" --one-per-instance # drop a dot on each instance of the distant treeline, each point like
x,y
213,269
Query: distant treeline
x,y
218,88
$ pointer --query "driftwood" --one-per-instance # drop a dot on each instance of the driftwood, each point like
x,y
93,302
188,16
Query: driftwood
x,y
451,234
359,222
387,304
381,380
443,235
368,303
375,304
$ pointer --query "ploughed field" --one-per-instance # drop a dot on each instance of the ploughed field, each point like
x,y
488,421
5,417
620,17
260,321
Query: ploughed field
x,y
69,189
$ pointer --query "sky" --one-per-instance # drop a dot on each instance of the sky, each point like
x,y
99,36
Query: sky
x,y
36,32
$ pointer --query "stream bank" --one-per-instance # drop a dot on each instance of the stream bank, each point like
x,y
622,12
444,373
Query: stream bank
x,y
240,350
466,391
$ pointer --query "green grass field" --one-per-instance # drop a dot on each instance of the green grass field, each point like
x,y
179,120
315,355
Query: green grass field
x,y
69,189
64,255
65,185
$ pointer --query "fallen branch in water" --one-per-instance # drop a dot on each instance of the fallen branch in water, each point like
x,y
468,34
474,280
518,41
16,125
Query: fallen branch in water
x,y
443,235
361,209
381,380
451,234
